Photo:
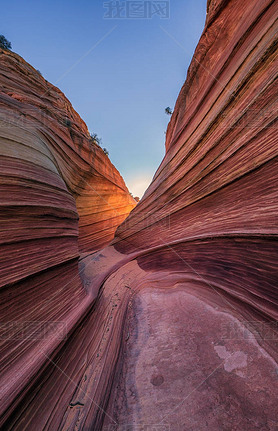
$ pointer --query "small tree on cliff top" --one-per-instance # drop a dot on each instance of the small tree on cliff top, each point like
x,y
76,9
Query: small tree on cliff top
x,y
95,138
4,43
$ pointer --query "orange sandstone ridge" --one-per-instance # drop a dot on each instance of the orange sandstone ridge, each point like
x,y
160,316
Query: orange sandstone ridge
x,y
52,166
173,325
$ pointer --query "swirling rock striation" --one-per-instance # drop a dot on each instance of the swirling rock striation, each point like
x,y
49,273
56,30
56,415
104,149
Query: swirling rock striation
x,y
60,197
174,324
50,163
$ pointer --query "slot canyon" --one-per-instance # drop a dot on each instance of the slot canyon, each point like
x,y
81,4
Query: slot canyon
x,y
157,315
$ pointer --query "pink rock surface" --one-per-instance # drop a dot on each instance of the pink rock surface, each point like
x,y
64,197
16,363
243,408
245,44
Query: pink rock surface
x,y
60,196
173,326
182,371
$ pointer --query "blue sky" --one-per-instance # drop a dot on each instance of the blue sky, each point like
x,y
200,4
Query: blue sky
x,y
119,74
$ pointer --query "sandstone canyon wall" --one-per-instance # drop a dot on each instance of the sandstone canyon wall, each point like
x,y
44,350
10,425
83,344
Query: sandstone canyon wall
x,y
60,197
173,326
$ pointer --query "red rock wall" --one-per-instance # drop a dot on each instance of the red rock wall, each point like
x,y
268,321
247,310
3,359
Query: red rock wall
x,y
221,142
60,196
208,222
45,141
183,333
218,181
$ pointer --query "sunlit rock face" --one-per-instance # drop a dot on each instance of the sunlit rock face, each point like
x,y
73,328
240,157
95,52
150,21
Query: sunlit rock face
x,y
60,197
51,166
173,326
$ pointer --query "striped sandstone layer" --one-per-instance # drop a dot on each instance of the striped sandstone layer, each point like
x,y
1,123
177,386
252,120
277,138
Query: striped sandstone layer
x,y
60,197
178,329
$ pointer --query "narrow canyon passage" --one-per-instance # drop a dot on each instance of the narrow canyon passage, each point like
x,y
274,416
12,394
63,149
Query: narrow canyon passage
x,y
170,350
157,315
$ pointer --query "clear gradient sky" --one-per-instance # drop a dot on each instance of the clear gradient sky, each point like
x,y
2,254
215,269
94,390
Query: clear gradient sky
x,y
119,74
